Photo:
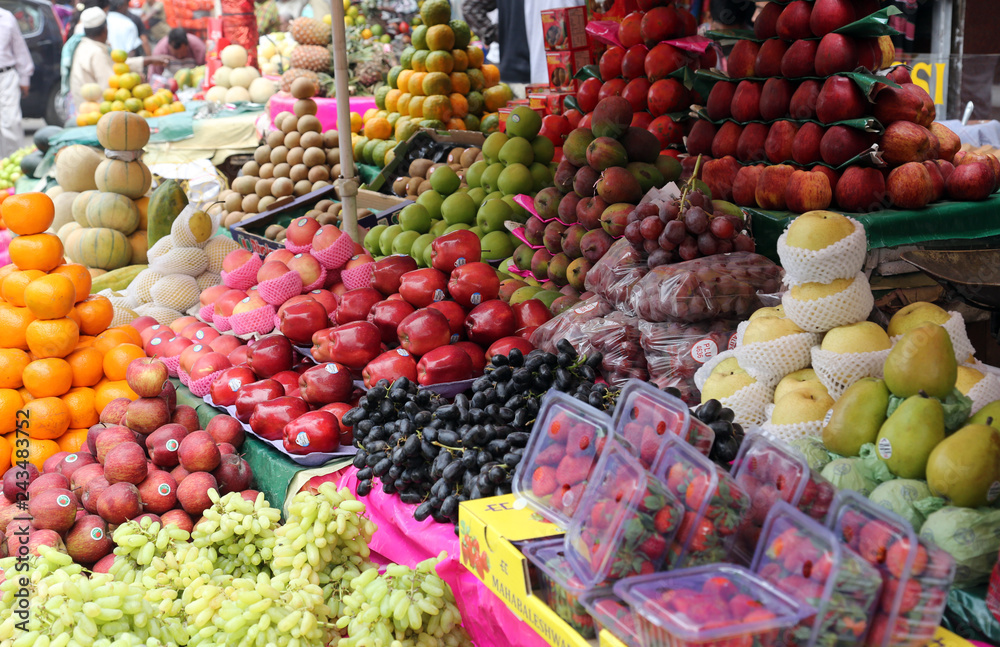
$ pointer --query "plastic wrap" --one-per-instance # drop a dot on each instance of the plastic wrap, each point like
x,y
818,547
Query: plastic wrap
x,y
616,274
675,351
723,285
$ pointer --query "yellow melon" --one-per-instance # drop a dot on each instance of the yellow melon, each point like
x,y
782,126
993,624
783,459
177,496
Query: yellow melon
x,y
104,248
139,244
130,179
113,211
122,131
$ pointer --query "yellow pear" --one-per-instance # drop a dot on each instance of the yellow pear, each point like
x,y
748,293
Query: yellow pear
x,y
814,291
768,329
807,404
816,230
965,467
794,381
726,378
922,361
776,311
916,314
861,337
967,378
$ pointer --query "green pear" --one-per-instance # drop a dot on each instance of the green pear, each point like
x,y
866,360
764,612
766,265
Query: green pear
x,y
988,415
857,417
965,467
911,433
923,360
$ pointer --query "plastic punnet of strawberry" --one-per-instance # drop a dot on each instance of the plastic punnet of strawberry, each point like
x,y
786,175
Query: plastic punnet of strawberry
x,y
645,414
625,523
566,441
560,589
806,559
610,613
916,574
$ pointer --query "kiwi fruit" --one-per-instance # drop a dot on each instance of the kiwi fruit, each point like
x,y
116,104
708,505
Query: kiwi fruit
x,y
244,184
290,124
479,156
460,172
262,154
280,238
314,157
420,168
263,187
275,138
233,201
303,187
468,157
312,213
282,187
309,123
291,140
327,219
424,186
272,231
250,203
281,170
304,107
318,173
455,167
266,171
298,172
331,139
323,205
335,208
413,185
455,155
295,155
399,185
279,155
333,156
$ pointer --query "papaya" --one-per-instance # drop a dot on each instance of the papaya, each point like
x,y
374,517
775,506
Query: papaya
x,y
166,203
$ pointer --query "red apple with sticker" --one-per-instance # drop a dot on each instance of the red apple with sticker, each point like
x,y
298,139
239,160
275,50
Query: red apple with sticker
x,y
354,344
307,267
455,249
389,270
423,331
205,365
191,354
270,417
325,297
224,306
146,376
326,383
355,305
507,344
473,283
456,317
269,355
156,340
387,315
444,364
299,321
250,395
422,287
390,365
316,431
225,344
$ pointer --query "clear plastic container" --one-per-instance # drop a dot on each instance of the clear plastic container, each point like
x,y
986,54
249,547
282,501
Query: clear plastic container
x,y
565,442
916,574
644,414
769,471
610,613
806,560
716,605
557,586
625,523
714,505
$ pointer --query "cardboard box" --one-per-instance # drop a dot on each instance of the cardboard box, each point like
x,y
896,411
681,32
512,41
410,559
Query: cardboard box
x,y
563,66
610,9
564,28
552,102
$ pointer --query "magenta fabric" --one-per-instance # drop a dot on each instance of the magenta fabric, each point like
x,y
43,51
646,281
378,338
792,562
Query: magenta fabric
x,y
327,107
403,540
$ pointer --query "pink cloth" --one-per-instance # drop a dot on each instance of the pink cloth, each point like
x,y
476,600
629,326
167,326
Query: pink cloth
x,y
195,44
403,540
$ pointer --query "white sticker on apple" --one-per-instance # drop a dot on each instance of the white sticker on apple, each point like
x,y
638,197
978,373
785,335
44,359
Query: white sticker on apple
x,y
332,368
476,298
172,445
402,352
439,295
72,458
164,489
97,534
234,384
62,500
302,439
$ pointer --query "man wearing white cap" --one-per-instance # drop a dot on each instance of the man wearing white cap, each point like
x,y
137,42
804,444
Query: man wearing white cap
x,y
92,59
16,69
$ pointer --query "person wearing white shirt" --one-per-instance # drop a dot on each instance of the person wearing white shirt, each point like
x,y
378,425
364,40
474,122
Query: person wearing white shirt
x,y
122,32
16,69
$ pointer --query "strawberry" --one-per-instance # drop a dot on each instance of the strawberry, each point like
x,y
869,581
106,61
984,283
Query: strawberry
x,y
654,547
851,523
580,441
543,481
600,514
720,588
761,502
557,496
573,470
551,455
702,536
907,601
874,540
676,478
632,432
649,447
740,605
666,520
821,568
559,427
895,558
571,499
698,490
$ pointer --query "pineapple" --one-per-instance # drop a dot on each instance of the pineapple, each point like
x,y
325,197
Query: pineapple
x,y
309,31
311,57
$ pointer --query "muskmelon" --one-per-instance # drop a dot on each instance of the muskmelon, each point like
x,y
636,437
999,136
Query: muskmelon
x,y
63,207
113,211
261,90
64,232
236,94
76,165
139,246
104,248
71,246
216,94
234,56
130,179
80,207
122,131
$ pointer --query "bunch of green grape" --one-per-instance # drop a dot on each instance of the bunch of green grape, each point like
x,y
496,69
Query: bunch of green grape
x,y
138,543
239,534
403,607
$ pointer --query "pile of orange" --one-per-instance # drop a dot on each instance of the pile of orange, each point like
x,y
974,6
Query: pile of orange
x,y
60,364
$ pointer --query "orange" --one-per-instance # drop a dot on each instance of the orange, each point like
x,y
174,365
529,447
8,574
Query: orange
x,y
436,83
12,363
456,124
131,332
392,100
378,128
403,80
34,450
87,365
111,338
10,402
27,397
74,316
497,97
440,61
117,359
14,322
459,106
475,56
28,213
80,277
4,455
461,60
95,313
492,75
142,204
45,418
6,269
15,283
86,341
72,441
437,107
82,412
47,377
36,252
416,84
52,337
50,296
416,106
460,83
105,393
403,105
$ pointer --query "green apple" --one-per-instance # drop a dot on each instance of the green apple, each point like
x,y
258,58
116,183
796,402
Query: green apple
x,y
403,242
419,245
415,217
477,194
431,200
492,215
477,231
458,207
371,238
437,229
385,240
519,214
496,245
427,255
456,227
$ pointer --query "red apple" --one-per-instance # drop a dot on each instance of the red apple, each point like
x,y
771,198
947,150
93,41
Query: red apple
x,y
148,332
152,347
339,409
423,331
455,249
226,429
270,417
146,376
326,298
489,322
455,314
163,444
316,431
141,323
300,320
235,259
271,270
386,315
224,306
354,344
473,283
476,354
300,231
191,354
530,313
179,324
387,272
358,260
239,355
211,294
289,381
325,236
307,267
225,344
326,383
282,255
190,329
356,304
507,344
423,287
175,346
252,394
207,364
269,355
444,364
204,335
390,365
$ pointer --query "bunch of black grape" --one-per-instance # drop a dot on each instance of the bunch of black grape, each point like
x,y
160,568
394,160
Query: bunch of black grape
x,y
728,434
436,453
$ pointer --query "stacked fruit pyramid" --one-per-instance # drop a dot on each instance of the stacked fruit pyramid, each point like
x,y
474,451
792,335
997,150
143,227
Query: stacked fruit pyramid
x,y
109,228
441,82
795,130
59,362
126,92
641,69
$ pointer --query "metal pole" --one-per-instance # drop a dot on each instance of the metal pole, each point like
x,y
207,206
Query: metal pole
x,y
347,183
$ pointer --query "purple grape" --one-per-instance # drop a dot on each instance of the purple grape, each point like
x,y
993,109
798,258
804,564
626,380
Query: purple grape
x,y
744,243
651,227
675,232
659,257
669,211
665,243
633,233
707,244
696,220
646,209
724,247
722,228
688,250
697,199
650,246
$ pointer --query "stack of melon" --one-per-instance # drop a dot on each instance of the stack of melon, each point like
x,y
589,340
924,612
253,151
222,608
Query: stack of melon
x,y
110,222
236,81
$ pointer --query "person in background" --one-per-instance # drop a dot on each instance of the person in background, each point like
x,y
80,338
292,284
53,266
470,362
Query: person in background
x,y
154,16
509,30
179,45
92,58
122,32
16,69
268,20
121,6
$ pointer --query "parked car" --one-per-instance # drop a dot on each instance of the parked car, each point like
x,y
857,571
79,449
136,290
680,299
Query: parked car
x,y
43,33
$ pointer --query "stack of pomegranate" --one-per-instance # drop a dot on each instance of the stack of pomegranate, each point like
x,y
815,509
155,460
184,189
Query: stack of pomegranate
x,y
796,130
147,457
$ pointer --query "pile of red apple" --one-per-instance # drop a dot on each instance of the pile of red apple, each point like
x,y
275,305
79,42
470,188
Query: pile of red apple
x,y
778,134
146,458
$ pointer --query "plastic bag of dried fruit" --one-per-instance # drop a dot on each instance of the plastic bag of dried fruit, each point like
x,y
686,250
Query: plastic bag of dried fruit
x,y
675,351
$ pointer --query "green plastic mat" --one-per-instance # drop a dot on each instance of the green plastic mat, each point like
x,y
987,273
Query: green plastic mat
x,y
967,616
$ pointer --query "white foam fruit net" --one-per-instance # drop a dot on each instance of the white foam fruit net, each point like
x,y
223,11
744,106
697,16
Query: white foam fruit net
x,y
216,249
138,289
837,371
769,361
706,369
848,306
160,248
789,433
748,404
122,316
181,260
180,230
841,260
175,291
207,279
163,315
985,390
